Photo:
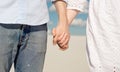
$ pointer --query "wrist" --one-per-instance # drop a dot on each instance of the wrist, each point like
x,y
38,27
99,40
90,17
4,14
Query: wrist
x,y
63,25
63,20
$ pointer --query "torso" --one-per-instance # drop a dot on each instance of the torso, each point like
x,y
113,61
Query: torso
x,y
103,36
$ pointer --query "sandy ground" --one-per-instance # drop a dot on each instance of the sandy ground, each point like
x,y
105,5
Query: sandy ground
x,y
71,60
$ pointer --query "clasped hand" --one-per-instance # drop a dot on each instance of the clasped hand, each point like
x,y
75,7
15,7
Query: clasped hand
x,y
61,36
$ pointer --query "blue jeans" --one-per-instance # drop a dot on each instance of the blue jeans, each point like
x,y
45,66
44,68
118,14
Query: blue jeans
x,y
23,45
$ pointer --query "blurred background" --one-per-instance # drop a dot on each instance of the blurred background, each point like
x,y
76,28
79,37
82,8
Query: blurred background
x,y
78,25
74,59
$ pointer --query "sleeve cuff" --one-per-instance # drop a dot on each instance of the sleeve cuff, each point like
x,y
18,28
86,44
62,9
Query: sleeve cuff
x,y
77,5
59,0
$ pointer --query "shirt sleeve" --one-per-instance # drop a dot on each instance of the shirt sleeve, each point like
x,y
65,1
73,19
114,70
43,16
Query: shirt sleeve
x,y
59,0
80,5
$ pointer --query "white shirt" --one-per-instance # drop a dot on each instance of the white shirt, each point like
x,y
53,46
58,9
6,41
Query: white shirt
x,y
103,35
31,12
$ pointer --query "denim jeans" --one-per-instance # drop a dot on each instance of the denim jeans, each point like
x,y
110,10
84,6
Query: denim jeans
x,y
23,45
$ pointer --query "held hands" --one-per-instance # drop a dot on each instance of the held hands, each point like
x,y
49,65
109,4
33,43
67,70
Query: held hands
x,y
61,36
61,33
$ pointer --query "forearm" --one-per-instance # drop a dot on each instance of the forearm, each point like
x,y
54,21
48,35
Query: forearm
x,y
71,14
62,11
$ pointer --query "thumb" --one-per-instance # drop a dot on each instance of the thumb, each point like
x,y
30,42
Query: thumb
x,y
55,39
54,36
54,32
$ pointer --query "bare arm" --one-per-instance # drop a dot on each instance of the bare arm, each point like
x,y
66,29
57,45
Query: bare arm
x,y
62,29
74,6
61,10
71,14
